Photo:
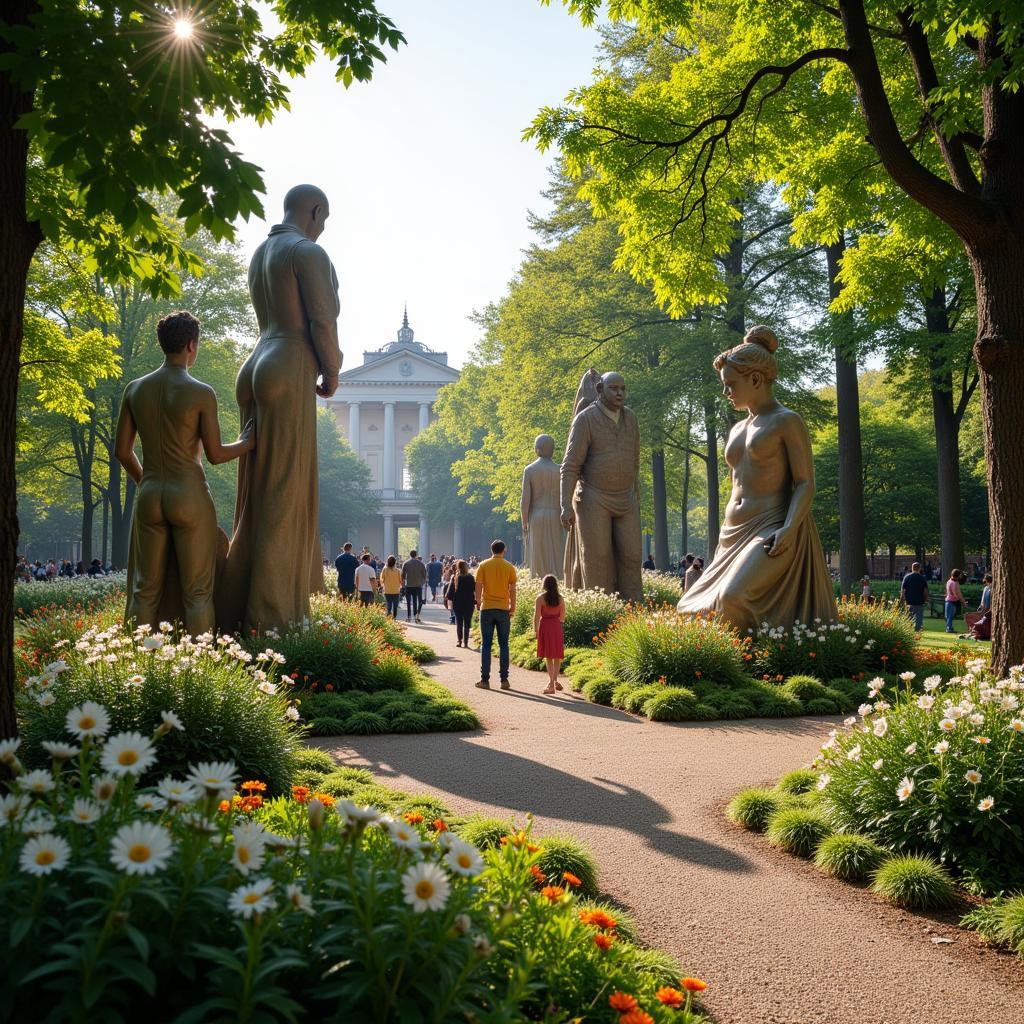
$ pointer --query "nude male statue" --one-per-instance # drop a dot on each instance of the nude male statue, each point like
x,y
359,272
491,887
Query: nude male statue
x,y
174,541
274,560
603,458
542,528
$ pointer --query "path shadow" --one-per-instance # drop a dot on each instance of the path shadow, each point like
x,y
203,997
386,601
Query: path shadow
x,y
453,764
577,705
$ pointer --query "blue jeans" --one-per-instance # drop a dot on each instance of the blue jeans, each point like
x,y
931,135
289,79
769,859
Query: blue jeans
x,y
917,614
951,610
393,601
492,619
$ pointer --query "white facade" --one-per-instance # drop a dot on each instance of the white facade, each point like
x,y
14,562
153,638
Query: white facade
x,y
380,407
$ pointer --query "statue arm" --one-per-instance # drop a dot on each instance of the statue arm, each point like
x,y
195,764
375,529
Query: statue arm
x,y
797,443
124,440
319,290
576,450
636,458
209,432
525,501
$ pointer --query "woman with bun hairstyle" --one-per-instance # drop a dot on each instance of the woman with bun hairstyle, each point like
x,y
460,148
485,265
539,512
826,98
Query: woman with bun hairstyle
x,y
768,566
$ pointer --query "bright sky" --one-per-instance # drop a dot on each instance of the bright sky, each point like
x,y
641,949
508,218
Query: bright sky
x,y
428,179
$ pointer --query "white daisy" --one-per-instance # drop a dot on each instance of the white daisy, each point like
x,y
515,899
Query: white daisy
x,y
878,765
881,727
45,699
358,814
1016,725
403,835
941,747
136,680
292,713
152,643
908,676
926,702
865,709
823,780
103,787
213,776
910,749
905,788
425,887
973,776
266,687
60,751
977,719
947,724
12,806
127,753
982,741
84,811
853,754
932,683
464,859
38,782
986,804
88,719
150,802
37,821
44,854
177,792
248,850
9,750
251,899
169,721
141,848
298,899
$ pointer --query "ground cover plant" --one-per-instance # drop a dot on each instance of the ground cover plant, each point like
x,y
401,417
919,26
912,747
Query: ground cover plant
x,y
201,898
83,593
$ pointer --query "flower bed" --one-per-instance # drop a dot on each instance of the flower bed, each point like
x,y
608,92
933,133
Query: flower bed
x,y
200,896
82,593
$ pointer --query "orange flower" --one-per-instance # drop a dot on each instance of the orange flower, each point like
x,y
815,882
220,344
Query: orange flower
x,y
329,687
552,893
670,997
622,1001
439,825
598,918
254,786
569,877
300,793
248,804
693,984
636,1017
603,941
325,798
413,818
538,874
224,806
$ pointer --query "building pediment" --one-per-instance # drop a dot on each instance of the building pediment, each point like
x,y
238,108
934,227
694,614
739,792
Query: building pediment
x,y
403,366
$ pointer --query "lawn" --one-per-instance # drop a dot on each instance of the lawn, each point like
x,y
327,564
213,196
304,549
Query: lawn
x,y
935,638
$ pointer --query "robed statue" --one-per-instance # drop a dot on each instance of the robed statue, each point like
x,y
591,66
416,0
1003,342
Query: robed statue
x,y
542,525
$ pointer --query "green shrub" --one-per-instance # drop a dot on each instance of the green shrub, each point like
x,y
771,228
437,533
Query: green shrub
x,y
822,706
599,689
588,615
309,777
429,806
805,688
421,653
621,693
366,723
486,833
734,707
1000,921
643,647
849,856
780,706
625,926
673,704
410,722
800,780
640,695
316,759
78,594
914,882
662,968
662,588
394,670
752,808
561,853
575,656
797,830
886,633
459,720
328,725
704,713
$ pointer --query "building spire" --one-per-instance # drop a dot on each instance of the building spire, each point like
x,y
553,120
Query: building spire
x,y
406,333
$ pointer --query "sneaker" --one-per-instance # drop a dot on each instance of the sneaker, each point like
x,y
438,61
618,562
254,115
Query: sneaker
x,y
506,685
419,620
483,685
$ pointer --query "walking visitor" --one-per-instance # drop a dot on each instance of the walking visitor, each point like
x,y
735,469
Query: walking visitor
x,y
461,598
414,576
391,584
434,571
346,563
366,581
954,599
914,594
548,616
496,599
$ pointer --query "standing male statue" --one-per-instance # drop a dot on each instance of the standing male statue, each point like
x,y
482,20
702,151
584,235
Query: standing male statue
x,y
600,492
542,529
274,560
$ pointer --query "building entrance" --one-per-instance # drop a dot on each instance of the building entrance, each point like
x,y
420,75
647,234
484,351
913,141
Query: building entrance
x,y
408,539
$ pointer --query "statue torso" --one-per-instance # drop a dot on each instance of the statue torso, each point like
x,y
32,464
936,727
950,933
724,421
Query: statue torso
x,y
165,405
543,479
756,454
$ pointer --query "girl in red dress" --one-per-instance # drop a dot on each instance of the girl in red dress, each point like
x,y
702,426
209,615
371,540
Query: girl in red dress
x,y
548,616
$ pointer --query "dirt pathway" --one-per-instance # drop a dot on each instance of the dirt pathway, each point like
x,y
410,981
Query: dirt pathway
x,y
777,942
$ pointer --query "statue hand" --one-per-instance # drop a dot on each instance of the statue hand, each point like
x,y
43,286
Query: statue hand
x,y
247,436
778,542
568,520
327,386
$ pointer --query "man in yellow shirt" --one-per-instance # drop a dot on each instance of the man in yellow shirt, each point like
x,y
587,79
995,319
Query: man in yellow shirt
x,y
496,599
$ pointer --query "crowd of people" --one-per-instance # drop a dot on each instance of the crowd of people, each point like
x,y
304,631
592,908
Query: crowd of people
x,y
40,572
915,596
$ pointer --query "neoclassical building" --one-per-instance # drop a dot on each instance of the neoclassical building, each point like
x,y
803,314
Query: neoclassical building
x,y
381,406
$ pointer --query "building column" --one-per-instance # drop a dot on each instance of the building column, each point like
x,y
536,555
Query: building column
x,y
424,416
353,426
389,446
389,537
424,547
457,542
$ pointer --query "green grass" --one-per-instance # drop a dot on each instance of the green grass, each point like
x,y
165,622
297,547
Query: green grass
x,y
753,807
1000,921
849,856
914,882
935,638
798,830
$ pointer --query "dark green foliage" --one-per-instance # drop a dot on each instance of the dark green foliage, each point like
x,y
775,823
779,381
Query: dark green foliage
x,y
421,653
559,853
309,777
600,689
575,655
315,759
797,830
620,695
328,725
704,713
734,707
410,721
338,785
483,832
1000,921
673,704
781,706
914,882
821,706
366,723
800,780
752,808
805,688
640,695
458,720
849,856
662,966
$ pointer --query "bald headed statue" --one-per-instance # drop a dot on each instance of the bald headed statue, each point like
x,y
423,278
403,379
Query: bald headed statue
x,y
600,491
542,530
274,560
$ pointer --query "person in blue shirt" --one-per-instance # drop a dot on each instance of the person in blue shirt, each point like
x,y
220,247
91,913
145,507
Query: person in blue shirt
x,y
346,563
914,594
434,572
986,595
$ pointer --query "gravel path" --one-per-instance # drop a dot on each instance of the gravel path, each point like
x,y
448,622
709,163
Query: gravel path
x,y
778,942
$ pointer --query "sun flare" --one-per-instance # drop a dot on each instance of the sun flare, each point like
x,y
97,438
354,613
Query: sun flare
x,y
183,28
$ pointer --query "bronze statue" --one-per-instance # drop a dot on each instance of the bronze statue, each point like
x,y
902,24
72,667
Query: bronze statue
x,y
600,491
274,561
542,527
768,566
173,556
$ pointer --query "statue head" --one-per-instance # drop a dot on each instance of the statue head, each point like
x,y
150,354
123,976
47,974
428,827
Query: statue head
x,y
544,446
611,390
306,207
749,368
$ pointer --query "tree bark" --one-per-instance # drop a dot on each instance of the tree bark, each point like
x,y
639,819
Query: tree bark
x,y
711,465
659,495
19,239
852,562
684,505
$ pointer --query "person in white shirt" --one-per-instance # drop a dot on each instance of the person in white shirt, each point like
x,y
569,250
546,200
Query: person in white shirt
x,y
366,581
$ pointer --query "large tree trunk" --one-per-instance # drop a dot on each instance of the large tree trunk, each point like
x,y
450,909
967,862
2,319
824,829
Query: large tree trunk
x,y
947,434
120,514
999,352
684,505
852,563
660,497
18,241
711,465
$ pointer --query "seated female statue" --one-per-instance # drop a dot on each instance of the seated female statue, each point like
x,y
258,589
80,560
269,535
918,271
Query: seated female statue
x,y
768,566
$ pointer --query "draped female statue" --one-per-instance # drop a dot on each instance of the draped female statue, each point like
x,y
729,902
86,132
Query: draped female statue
x,y
768,566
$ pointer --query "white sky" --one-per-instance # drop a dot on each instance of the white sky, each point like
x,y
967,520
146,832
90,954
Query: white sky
x,y
428,179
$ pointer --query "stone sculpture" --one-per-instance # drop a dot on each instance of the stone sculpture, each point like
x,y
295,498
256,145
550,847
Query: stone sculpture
x,y
769,565
600,491
542,527
274,561
175,540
